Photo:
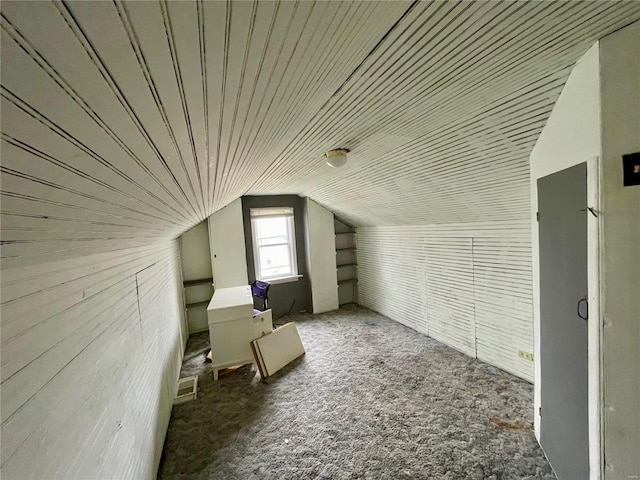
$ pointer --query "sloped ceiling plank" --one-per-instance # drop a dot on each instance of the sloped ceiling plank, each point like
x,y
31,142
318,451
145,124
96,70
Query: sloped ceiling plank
x,y
322,47
527,57
125,123
76,133
100,30
438,162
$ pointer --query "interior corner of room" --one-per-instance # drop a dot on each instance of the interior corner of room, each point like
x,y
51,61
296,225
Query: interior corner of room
x,y
443,197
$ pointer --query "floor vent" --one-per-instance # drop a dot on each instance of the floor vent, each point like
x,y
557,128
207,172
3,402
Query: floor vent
x,y
187,390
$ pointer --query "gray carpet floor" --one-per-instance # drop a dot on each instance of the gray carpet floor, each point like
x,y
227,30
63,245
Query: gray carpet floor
x,y
371,399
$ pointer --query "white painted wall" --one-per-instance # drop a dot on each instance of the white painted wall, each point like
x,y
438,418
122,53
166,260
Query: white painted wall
x,y
228,256
195,254
91,350
572,136
321,257
195,257
620,255
467,285
597,119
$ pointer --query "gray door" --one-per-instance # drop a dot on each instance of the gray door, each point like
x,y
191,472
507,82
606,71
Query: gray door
x,y
562,202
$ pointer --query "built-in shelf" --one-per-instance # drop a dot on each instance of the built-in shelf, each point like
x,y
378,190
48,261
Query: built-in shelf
x,y
199,281
198,304
346,249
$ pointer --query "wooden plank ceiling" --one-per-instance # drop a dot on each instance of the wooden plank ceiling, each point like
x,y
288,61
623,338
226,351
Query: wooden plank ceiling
x,y
126,123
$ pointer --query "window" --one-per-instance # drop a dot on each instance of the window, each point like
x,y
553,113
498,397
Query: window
x,y
274,243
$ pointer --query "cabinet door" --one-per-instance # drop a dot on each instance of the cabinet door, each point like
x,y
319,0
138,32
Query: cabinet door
x,y
228,256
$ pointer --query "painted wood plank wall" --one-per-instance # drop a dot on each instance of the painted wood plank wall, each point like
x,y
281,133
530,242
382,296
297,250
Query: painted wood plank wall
x,y
91,350
466,285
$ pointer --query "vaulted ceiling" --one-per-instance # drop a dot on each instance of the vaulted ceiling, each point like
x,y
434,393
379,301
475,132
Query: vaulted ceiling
x,y
127,123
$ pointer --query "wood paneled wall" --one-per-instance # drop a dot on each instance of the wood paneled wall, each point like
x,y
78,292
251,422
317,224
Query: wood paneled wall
x,y
466,285
91,350
126,123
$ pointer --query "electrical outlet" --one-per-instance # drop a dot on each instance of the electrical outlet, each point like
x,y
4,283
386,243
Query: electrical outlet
x,y
525,355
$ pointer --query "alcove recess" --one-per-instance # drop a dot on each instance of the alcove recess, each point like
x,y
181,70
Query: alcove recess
x,y
346,262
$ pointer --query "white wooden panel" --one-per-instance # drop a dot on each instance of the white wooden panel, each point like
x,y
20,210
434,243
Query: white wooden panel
x,y
277,348
449,292
228,254
126,123
503,302
440,118
467,285
321,257
232,327
92,350
391,274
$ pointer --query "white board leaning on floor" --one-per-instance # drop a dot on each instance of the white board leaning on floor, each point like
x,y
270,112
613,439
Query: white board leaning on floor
x,y
277,349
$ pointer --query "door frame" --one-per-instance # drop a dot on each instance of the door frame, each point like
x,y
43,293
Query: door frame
x,y
595,324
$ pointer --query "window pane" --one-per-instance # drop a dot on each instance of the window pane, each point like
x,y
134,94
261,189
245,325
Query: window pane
x,y
273,241
272,231
274,244
275,260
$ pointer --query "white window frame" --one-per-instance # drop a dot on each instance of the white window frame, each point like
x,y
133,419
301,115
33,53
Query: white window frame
x,y
287,213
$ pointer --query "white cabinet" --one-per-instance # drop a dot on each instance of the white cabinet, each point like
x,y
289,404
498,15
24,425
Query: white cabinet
x,y
232,327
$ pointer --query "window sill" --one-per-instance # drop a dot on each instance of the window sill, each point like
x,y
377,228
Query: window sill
x,y
275,281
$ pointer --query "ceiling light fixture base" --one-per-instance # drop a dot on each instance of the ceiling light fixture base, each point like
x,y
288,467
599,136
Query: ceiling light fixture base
x,y
336,158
